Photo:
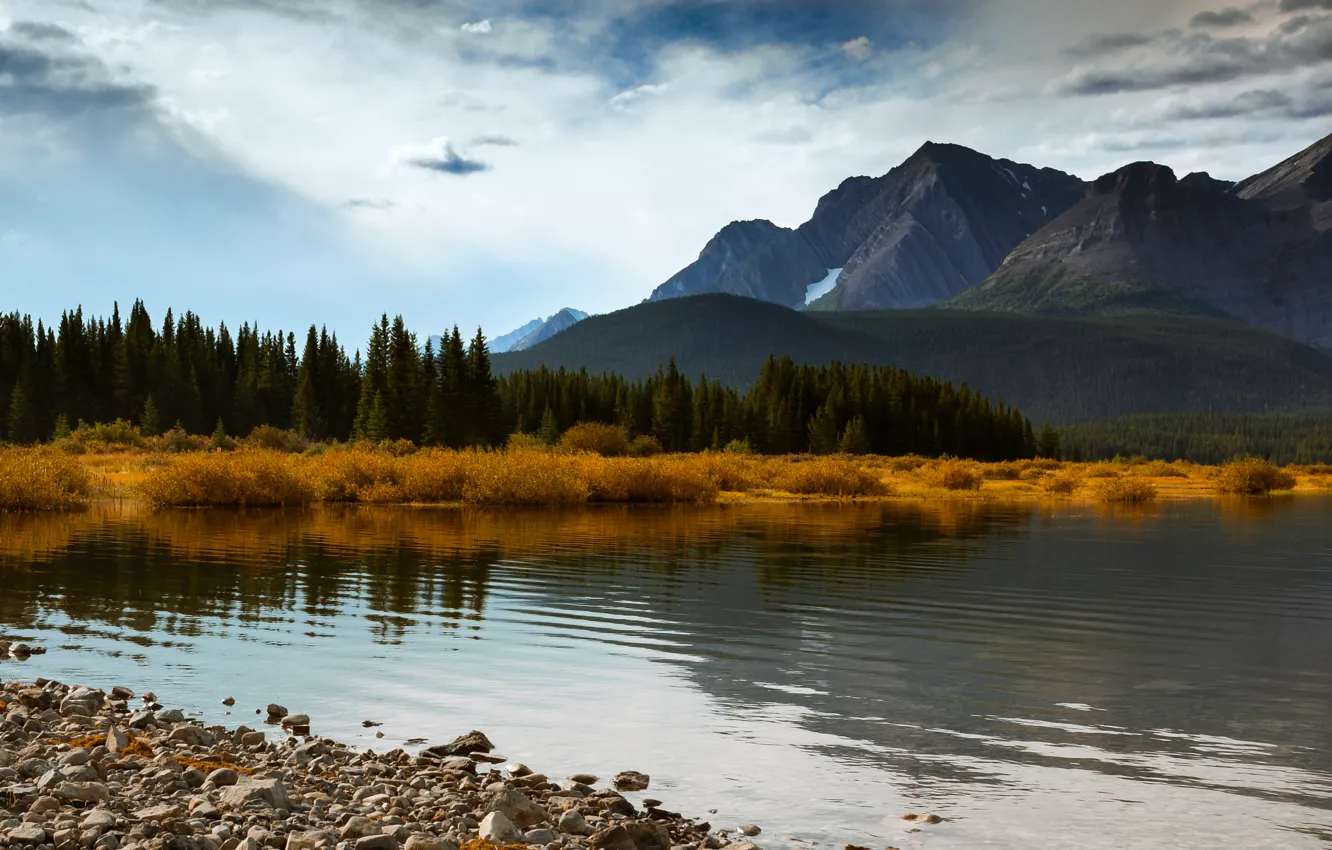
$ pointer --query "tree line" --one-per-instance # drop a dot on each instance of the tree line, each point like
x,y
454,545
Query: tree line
x,y
207,380
1205,437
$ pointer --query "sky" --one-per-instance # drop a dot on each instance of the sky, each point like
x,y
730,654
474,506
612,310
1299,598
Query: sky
x,y
302,162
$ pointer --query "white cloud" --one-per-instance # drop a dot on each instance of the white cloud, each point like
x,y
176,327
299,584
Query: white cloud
x,y
858,48
624,98
478,27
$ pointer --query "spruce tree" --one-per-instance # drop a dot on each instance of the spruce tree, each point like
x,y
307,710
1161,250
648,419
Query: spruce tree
x,y
823,436
61,430
377,422
148,419
549,432
855,439
22,420
1047,444
486,426
219,440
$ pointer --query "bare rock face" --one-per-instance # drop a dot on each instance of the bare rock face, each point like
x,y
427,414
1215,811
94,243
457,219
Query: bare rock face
x,y
930,228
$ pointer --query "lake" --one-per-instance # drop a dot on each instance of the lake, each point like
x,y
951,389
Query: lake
x,y
1040,677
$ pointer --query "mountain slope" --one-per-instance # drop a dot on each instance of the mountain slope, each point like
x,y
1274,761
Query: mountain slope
x,y
561,321
923,232
1064,369
506,342
1142,241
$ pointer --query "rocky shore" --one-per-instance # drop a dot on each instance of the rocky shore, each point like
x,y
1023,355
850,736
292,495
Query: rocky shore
x,y
84,769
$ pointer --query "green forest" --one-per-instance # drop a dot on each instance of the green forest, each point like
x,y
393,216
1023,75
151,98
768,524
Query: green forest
x,y
206,380
1205,437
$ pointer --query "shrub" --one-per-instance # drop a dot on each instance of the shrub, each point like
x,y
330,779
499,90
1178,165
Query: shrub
x,y
830,477
34,479
907,463
1160,469
731,472
738,447
253,477
521,442
176,440
1252,476
118,433
644,446
1102,470
1002,472
1134,491
276,439
954,474
647,480
527,478
354,475
1061,483
597,438
1041,464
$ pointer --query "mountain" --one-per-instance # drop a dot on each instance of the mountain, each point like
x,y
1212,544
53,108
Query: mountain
x,y
937,224
563,320
1143,241
1066,369
535,331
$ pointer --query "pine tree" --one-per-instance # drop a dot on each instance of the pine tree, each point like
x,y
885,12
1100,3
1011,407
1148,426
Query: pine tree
x,y
219,440
61,431
305,416
484,405
1047,445
148,419
855,439
823,436
549,432
22,420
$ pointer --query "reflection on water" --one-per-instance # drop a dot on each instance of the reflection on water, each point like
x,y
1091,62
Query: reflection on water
x,y
1084,678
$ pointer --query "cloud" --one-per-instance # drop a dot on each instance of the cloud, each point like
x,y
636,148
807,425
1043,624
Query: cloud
x,y
625,98
1222,19
1105,44
1201,59
62,84
439,155
858,48
477,27
368,204
494,141
37,31
1301,5
1245,103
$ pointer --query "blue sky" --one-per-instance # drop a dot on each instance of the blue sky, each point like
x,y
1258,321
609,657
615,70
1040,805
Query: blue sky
x,y
481,163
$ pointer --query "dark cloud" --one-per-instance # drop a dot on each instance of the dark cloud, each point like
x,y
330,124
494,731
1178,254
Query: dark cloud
x,y
33,81
495,141
1302,5
1105,44
451,162
36,31
1200,59
1221,20
1246,103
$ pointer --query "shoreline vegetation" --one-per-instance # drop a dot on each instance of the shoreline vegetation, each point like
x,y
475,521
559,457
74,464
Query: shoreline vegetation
x,y
106,770
529,473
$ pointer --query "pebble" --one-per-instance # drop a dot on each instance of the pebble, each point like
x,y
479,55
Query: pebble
x,y
750,830
229,702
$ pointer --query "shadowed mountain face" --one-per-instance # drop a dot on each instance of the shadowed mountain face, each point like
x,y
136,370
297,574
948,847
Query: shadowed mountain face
x,y
536,331
1143,241
930,228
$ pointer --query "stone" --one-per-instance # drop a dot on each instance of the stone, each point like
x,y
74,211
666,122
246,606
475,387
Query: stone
x,y
743,845
426,842
583,779
472,742
516,807
359,827
538,836
649,803
573,822
915,818
44,804
376,842
253,739
161,812
194,777
270,792
750,830
229,702
613,838
296,720
83,792
498,829
171,715
519,769
223,777
98,818
276,712
649,835
27,834
311,840
631,780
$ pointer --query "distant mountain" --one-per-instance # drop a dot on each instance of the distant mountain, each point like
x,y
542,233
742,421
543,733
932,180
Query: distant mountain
x,y
930,228
1064,369
535,331
1143,241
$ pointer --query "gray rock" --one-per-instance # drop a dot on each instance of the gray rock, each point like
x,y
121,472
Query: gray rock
x,y
83,792
359,827
426,842
377,842
583,779
472,742
223,777
498,829
161,812
270,792
98,818
30,834
573,822
171,715
276,712
631,780
516,807
750,830
538,836
296,720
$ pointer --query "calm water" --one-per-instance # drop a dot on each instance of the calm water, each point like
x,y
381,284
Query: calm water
x,y
1042,679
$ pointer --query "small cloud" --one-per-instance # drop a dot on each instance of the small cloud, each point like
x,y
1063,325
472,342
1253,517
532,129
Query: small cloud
x,y
1105,44
477,27
858,48
439,156
624,98
495,141
1221,20
1301,5
369,204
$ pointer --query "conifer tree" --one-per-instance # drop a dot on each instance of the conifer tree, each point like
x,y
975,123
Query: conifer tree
x,y
549,432
483,401
22,419
377,421
855,439
823,435
148,418
1047,445
61,431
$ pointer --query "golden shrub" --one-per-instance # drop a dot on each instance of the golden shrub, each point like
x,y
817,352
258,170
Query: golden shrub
x,y
1061,483
596,437
41,479
733,473
1135,491
1102,470
1160,469
1041,464
954,474
828,476
353,474
248,478
907,463
1252,476
523,478
1002,471
647,480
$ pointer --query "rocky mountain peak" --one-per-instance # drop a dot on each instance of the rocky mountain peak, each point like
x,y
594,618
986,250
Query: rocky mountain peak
x,y
1139,180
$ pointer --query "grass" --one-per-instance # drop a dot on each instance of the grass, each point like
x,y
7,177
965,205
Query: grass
x,y
536,474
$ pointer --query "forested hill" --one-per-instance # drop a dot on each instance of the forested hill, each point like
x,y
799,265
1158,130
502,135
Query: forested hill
x,y
1061,369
